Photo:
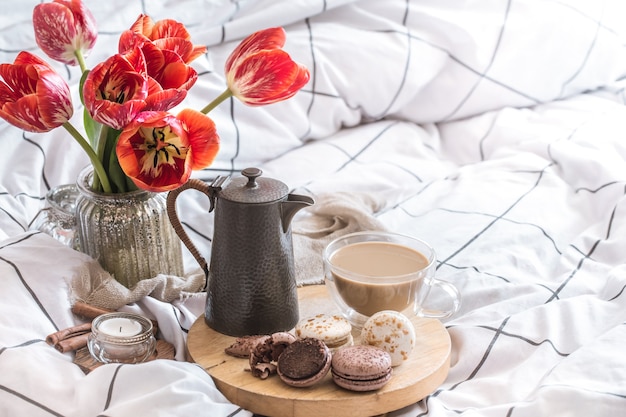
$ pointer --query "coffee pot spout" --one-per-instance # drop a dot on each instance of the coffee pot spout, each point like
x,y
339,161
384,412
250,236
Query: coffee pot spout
x,y
291,206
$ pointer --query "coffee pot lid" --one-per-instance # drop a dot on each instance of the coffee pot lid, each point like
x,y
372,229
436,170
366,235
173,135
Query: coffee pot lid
x,y
252,188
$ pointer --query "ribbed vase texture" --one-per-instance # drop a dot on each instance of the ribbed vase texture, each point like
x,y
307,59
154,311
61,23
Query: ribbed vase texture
x,y
128,233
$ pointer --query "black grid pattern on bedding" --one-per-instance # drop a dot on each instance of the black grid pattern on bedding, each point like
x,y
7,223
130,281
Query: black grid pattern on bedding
x,y
470,229
499,333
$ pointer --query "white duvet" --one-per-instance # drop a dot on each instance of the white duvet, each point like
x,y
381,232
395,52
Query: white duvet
x,y
495,130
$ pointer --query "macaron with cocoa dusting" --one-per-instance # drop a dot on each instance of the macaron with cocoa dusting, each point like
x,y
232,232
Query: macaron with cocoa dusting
x,y
391,331
335,331
304,362
361,368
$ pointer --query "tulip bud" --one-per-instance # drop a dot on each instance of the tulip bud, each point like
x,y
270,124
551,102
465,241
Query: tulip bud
x,y
64,29
260,72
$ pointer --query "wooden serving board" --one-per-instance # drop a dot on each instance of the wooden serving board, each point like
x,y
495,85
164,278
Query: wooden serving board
x,y
420,375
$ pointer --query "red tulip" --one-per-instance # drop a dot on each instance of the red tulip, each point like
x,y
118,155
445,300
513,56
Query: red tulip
x,y
158,150
165,34
115,91
167,69
64,27
167,48
259,72
33,96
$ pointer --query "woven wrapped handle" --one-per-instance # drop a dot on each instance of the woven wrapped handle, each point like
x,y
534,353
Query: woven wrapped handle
x,y
175,221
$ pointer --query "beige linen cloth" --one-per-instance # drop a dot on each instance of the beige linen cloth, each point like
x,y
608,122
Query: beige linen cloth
x,y
332,215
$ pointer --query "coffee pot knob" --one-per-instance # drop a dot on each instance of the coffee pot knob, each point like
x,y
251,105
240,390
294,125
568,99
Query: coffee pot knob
x,y
252,174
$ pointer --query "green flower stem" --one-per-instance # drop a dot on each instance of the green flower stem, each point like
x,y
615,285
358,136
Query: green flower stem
x,y
81,60
226,94
100,149
97,164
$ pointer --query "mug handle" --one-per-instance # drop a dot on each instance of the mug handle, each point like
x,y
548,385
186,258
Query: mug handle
x,y
451,291
175,221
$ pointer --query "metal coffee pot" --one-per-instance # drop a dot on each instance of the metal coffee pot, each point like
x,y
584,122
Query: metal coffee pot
x,y
251,284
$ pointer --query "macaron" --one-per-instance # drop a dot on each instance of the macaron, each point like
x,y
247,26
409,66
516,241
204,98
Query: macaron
x,y
361,368
335,331
304,362
391,331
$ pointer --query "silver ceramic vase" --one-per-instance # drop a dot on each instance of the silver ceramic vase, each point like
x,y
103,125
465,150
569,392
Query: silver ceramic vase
x,y
129,234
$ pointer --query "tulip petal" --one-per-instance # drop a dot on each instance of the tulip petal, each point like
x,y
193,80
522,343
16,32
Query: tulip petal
x,y
129,40
24,114
178,75
169,28
143,25
57,108
165,100
168,68
203,139
267,39
172,35
186,50
26,58
267,77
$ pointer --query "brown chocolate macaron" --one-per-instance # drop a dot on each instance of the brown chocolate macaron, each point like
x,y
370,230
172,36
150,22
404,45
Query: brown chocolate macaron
x,y
361,368
304,362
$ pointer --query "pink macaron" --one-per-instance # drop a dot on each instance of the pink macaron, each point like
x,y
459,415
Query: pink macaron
x,y
361,368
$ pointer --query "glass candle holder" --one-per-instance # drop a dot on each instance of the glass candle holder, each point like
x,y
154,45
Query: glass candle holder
x,y
121,338
57,218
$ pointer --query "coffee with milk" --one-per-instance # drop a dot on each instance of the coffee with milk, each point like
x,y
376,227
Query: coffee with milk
x,y
377,261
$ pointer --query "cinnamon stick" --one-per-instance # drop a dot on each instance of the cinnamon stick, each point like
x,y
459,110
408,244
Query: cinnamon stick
x,y
78,330
72,343
88,311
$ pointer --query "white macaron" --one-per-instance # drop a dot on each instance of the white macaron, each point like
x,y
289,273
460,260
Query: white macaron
x,y
333,330
391,331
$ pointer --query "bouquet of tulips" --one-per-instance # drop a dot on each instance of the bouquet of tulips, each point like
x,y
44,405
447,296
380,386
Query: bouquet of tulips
x,y
132,138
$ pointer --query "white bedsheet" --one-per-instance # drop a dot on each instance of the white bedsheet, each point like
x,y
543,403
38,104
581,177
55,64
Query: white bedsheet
x,y
495,130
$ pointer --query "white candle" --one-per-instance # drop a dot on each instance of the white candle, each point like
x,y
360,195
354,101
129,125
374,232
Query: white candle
x,y
120,327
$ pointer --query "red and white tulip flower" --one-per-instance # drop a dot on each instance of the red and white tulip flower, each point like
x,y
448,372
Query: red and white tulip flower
x,y
65,30
158,151
259,72
33,96
128,96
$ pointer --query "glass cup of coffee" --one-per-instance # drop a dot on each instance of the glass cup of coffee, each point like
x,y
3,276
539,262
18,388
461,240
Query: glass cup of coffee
x,y
367,272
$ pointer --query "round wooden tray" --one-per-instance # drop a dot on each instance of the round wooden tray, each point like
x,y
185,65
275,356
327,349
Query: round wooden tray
x,y
420,375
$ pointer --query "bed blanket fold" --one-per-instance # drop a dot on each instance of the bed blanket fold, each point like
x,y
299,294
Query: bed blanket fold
x,y
493,130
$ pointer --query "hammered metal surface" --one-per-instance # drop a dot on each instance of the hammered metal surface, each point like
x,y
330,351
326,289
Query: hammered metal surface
x,y
254,189
252,285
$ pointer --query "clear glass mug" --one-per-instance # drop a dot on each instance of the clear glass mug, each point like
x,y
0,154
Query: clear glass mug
x,y
367,272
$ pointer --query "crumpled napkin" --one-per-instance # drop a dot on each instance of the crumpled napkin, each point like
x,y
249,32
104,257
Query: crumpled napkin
x,y
95,286
333,215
